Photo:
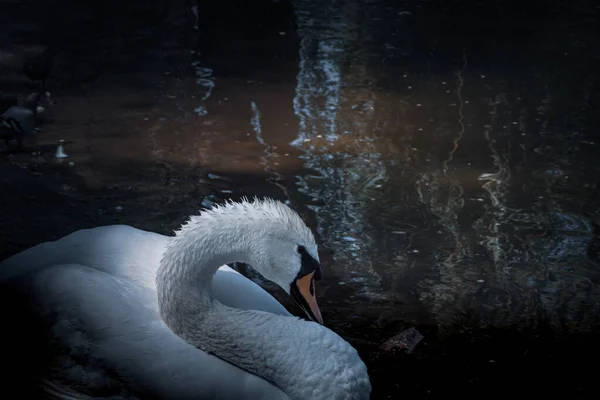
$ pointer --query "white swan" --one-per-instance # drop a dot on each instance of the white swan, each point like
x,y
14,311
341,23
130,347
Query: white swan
x,y
92,295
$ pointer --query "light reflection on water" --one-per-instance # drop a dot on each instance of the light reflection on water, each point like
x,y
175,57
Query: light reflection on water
x,y
433,199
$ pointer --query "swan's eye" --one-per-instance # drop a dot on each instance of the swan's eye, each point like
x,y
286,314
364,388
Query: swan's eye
x,y
301,250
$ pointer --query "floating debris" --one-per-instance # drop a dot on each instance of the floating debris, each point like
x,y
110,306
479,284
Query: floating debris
x,y
203,72
210,175
201,111
208,85
407,340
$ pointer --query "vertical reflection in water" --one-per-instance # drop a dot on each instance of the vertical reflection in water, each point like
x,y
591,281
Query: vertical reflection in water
x,y
504,227
442,191
334,143
255,122
324,69
496,185
203,76
275,176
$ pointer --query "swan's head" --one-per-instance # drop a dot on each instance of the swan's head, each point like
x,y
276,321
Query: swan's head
x,y
286,254
281,248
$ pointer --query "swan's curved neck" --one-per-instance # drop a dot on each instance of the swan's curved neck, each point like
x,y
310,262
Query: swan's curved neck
x,y
281,349
186,304
191,259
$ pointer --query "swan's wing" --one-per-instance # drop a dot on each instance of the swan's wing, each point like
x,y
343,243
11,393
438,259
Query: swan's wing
x,y
124,251
119,250
103,339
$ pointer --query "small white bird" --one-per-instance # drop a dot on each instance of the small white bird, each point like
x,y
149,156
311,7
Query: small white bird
x,y
60,150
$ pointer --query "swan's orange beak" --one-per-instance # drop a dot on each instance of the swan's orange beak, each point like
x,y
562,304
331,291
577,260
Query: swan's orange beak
x,y
303,291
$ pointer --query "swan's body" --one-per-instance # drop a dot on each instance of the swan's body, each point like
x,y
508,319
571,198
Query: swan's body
x,y
93,293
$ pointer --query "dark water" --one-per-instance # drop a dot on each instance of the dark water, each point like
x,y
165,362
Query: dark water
x,y
446,153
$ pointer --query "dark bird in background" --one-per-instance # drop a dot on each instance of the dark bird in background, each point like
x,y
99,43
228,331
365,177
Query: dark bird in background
x,y
19,121
37,67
